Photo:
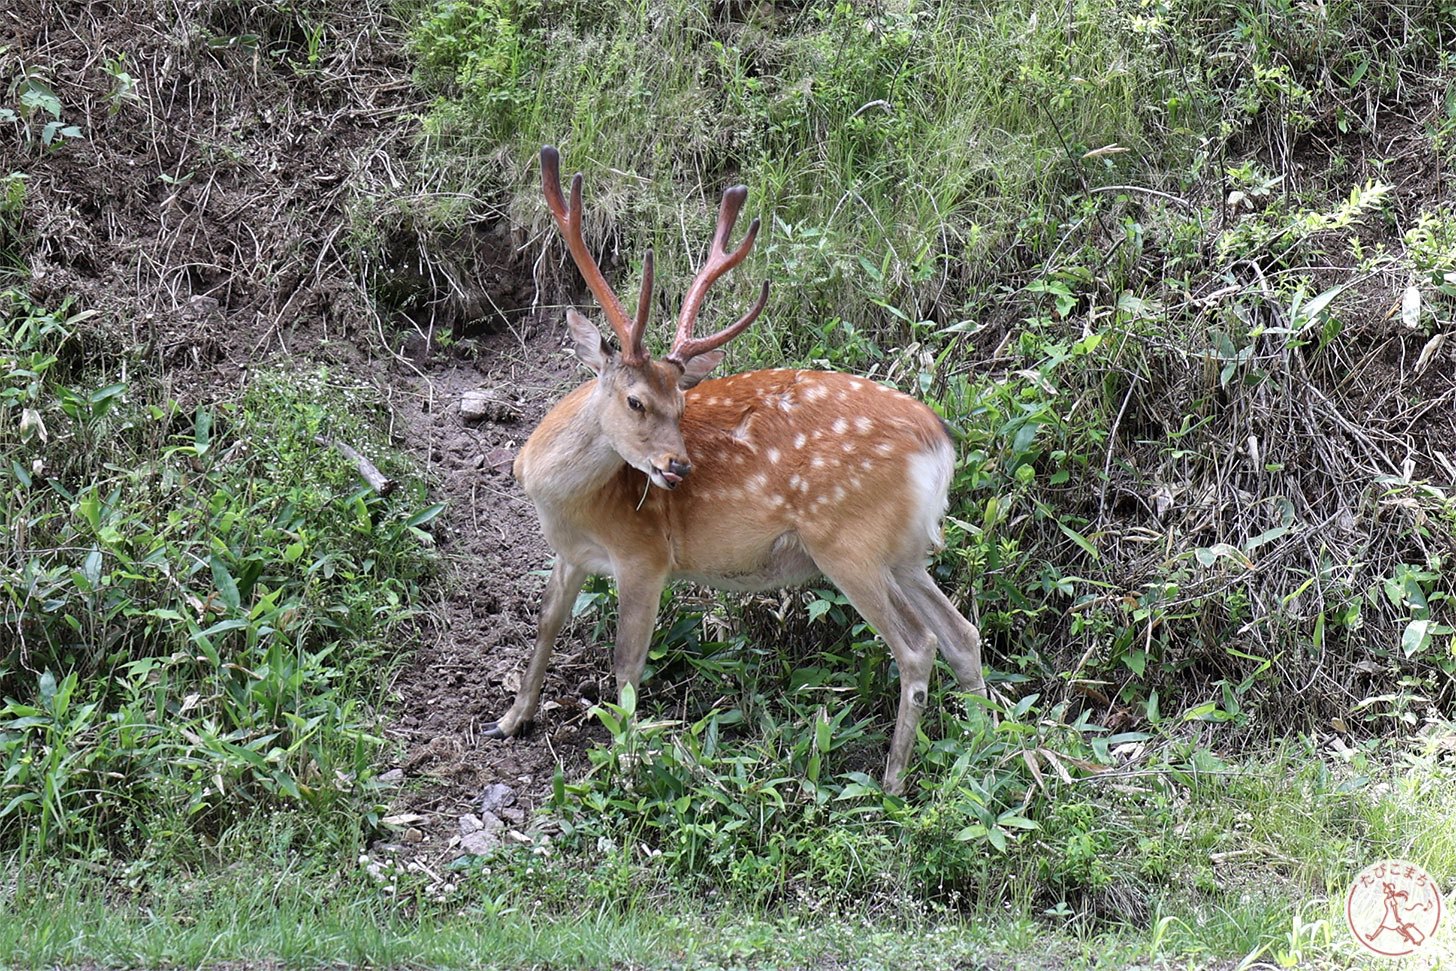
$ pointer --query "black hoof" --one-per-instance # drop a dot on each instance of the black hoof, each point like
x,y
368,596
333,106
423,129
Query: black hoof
x,y
493,730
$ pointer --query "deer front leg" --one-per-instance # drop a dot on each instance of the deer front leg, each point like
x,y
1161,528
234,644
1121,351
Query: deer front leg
x,y
638,594
561,590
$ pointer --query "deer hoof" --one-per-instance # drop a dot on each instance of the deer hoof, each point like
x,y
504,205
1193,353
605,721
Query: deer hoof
x,y
494,730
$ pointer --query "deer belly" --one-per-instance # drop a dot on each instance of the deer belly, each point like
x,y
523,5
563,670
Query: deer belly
x,y
785,563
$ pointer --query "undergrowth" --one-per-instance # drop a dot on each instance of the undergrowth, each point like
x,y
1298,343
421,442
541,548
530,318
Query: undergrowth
x,y
195,602
1162,265
1167,271
1141,256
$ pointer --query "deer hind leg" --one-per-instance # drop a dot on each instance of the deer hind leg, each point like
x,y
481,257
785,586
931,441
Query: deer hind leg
x,y
561,590
912,643
960,641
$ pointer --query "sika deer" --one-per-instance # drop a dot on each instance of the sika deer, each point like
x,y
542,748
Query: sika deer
x,y
763,480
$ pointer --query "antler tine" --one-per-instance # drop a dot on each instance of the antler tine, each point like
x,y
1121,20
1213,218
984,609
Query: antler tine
x,y
719,262
568,220
685,350
644,301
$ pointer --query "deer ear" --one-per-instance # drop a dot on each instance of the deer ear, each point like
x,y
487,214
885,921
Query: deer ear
x,y
699,367
591,348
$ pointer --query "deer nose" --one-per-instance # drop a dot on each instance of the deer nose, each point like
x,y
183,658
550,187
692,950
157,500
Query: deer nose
x,y
679,469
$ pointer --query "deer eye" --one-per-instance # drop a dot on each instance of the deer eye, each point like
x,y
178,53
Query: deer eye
x,y
634,404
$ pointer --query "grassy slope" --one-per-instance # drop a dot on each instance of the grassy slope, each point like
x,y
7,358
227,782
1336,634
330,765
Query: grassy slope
x,y
929,180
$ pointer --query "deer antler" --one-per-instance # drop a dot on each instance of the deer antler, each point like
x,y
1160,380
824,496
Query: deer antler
x,y
568,220
719,261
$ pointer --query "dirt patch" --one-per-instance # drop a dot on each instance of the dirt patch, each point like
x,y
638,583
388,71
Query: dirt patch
x,y
466,670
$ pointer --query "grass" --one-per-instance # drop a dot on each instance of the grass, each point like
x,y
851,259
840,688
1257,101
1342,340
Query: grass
x,y
1260,856
197,601
1140,255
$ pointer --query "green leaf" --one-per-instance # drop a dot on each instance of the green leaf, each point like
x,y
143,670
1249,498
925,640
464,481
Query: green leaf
x,y
1016,822
1414,637
1079,539
227,587
425,515
1266,536
202,435
1312,309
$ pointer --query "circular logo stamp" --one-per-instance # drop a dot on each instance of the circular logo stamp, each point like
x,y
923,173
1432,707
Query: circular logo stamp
x,y
1393,908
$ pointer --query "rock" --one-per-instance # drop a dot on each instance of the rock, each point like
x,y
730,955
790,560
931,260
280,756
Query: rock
x,y
480,843
470,824
496,796
393,777
413,835
487,406
199,306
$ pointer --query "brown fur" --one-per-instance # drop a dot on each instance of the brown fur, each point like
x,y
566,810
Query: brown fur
x,y
793,473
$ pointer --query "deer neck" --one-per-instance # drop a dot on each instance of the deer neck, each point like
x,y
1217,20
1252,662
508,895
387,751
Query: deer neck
x,y
568,460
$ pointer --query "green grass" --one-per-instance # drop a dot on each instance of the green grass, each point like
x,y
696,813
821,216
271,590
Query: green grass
x,y
1113,243
197,602
1258,857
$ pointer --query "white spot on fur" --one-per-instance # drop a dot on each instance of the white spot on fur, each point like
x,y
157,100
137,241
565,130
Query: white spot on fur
x,y
838,493
885,448
847,446
818,462
760,481
800,439
773,455
815,391
862,424
840,426
866,464
855,482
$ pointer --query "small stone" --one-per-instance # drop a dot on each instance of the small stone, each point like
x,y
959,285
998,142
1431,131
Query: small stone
x,y
470,824
485,406
413,835
497,795
479,844
393,777
201,306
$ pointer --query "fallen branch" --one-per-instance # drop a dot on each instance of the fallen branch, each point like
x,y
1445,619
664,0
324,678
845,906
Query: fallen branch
x,y
377,480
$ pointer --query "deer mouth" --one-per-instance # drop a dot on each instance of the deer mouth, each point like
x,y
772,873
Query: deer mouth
x,y
663,479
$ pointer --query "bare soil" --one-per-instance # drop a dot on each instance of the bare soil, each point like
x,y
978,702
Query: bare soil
x,y
465,671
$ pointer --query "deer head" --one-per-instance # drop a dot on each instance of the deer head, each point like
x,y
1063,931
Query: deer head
x,y
638,401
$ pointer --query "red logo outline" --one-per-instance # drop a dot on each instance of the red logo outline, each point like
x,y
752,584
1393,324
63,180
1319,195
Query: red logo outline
x,y
1393,908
